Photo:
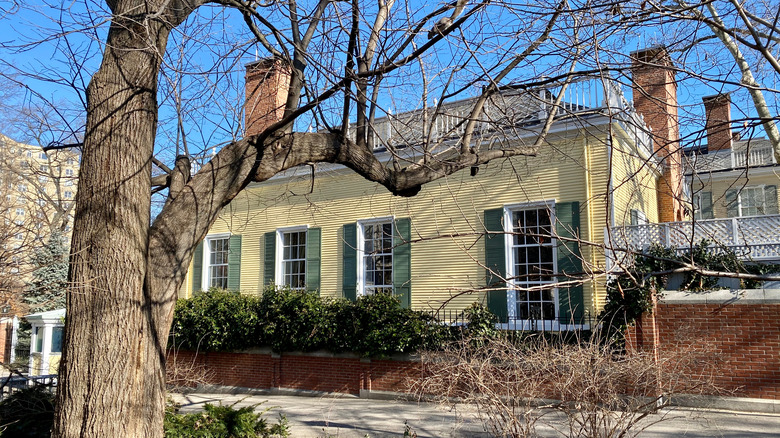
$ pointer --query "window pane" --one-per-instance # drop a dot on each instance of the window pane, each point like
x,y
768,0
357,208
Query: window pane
x,y
218,262
533,253
56,340
38,340
377,258
293,263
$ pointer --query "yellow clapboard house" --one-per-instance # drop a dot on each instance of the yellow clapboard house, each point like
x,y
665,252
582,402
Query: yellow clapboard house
x,y
524,235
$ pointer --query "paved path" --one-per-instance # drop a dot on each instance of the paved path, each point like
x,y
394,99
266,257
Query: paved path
x,y
352,417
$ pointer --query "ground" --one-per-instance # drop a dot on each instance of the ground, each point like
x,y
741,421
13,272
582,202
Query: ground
x,y
352,417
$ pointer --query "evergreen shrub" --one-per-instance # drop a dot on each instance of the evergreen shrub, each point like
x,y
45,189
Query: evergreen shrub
x,y
289,320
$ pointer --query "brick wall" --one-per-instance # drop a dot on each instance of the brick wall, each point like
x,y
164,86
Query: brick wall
x,y
718,111
309,372
744,336
267,83
6,333
655,98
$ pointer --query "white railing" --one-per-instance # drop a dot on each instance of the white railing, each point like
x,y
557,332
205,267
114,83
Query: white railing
x,y
512,108
759,153
751,238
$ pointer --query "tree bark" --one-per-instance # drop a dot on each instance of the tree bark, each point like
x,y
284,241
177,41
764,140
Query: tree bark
x,y
112,377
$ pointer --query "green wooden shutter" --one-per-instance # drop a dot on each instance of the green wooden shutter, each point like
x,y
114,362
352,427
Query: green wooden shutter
x,y
495,262
770,199
706,205
197,268
349,269
732,203
402,261
313,248
234,263
570,300
269,259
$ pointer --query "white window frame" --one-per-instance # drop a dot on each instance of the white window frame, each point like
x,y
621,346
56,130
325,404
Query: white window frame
x,y
206,272
641,217
361,252
511,296
279,259
741,199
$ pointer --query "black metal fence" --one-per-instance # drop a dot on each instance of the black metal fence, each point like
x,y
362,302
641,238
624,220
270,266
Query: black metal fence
x,y
581,322
14,383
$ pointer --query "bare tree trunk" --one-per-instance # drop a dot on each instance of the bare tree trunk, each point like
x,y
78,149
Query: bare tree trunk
x,y
112,372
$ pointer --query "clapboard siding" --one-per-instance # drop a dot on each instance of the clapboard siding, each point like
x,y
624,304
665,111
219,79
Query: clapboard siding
x,y
446,216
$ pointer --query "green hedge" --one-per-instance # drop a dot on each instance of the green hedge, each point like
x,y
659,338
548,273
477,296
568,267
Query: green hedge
x,y
288,320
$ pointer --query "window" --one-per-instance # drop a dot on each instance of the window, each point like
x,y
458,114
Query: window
x,y
68,172
68,194
43,168
291,256
43,179
22,188
638,217
70,161
56,339
68,183
702,205
43,156
752,201
29,154
375,256
38,340
20,212
217,249
531,265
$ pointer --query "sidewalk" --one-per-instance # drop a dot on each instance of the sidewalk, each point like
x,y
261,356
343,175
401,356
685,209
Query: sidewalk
x,y
352,417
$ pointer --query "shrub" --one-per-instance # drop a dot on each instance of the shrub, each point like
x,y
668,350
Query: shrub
x,y
579,390
217,320
289,320
222,422
385,328
27,413
293,320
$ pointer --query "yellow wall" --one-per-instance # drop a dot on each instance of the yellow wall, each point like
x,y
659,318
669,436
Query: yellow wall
x,y
718,183
446,216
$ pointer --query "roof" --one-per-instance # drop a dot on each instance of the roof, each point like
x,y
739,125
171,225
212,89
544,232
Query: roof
x,y
50,316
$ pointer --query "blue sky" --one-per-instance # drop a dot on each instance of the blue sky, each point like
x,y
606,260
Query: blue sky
x,y
51,49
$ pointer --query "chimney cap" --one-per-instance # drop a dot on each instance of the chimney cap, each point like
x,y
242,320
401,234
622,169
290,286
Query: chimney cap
x,y
717,98
652,55
263,62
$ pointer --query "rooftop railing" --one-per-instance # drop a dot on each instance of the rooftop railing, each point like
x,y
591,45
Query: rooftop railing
x,y
753,154
751,238
510,109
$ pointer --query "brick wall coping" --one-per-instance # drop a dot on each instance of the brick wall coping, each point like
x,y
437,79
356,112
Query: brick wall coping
x,y
725,296
318,353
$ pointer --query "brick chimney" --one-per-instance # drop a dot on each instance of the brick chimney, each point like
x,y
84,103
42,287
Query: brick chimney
x,y
267,85
718,111
655,98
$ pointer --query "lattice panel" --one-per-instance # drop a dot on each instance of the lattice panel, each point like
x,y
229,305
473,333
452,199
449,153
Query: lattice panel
x,y
716,231
759,230
756,237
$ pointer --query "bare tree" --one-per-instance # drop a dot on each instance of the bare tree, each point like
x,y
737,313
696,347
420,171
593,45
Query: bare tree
x,y
167,68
